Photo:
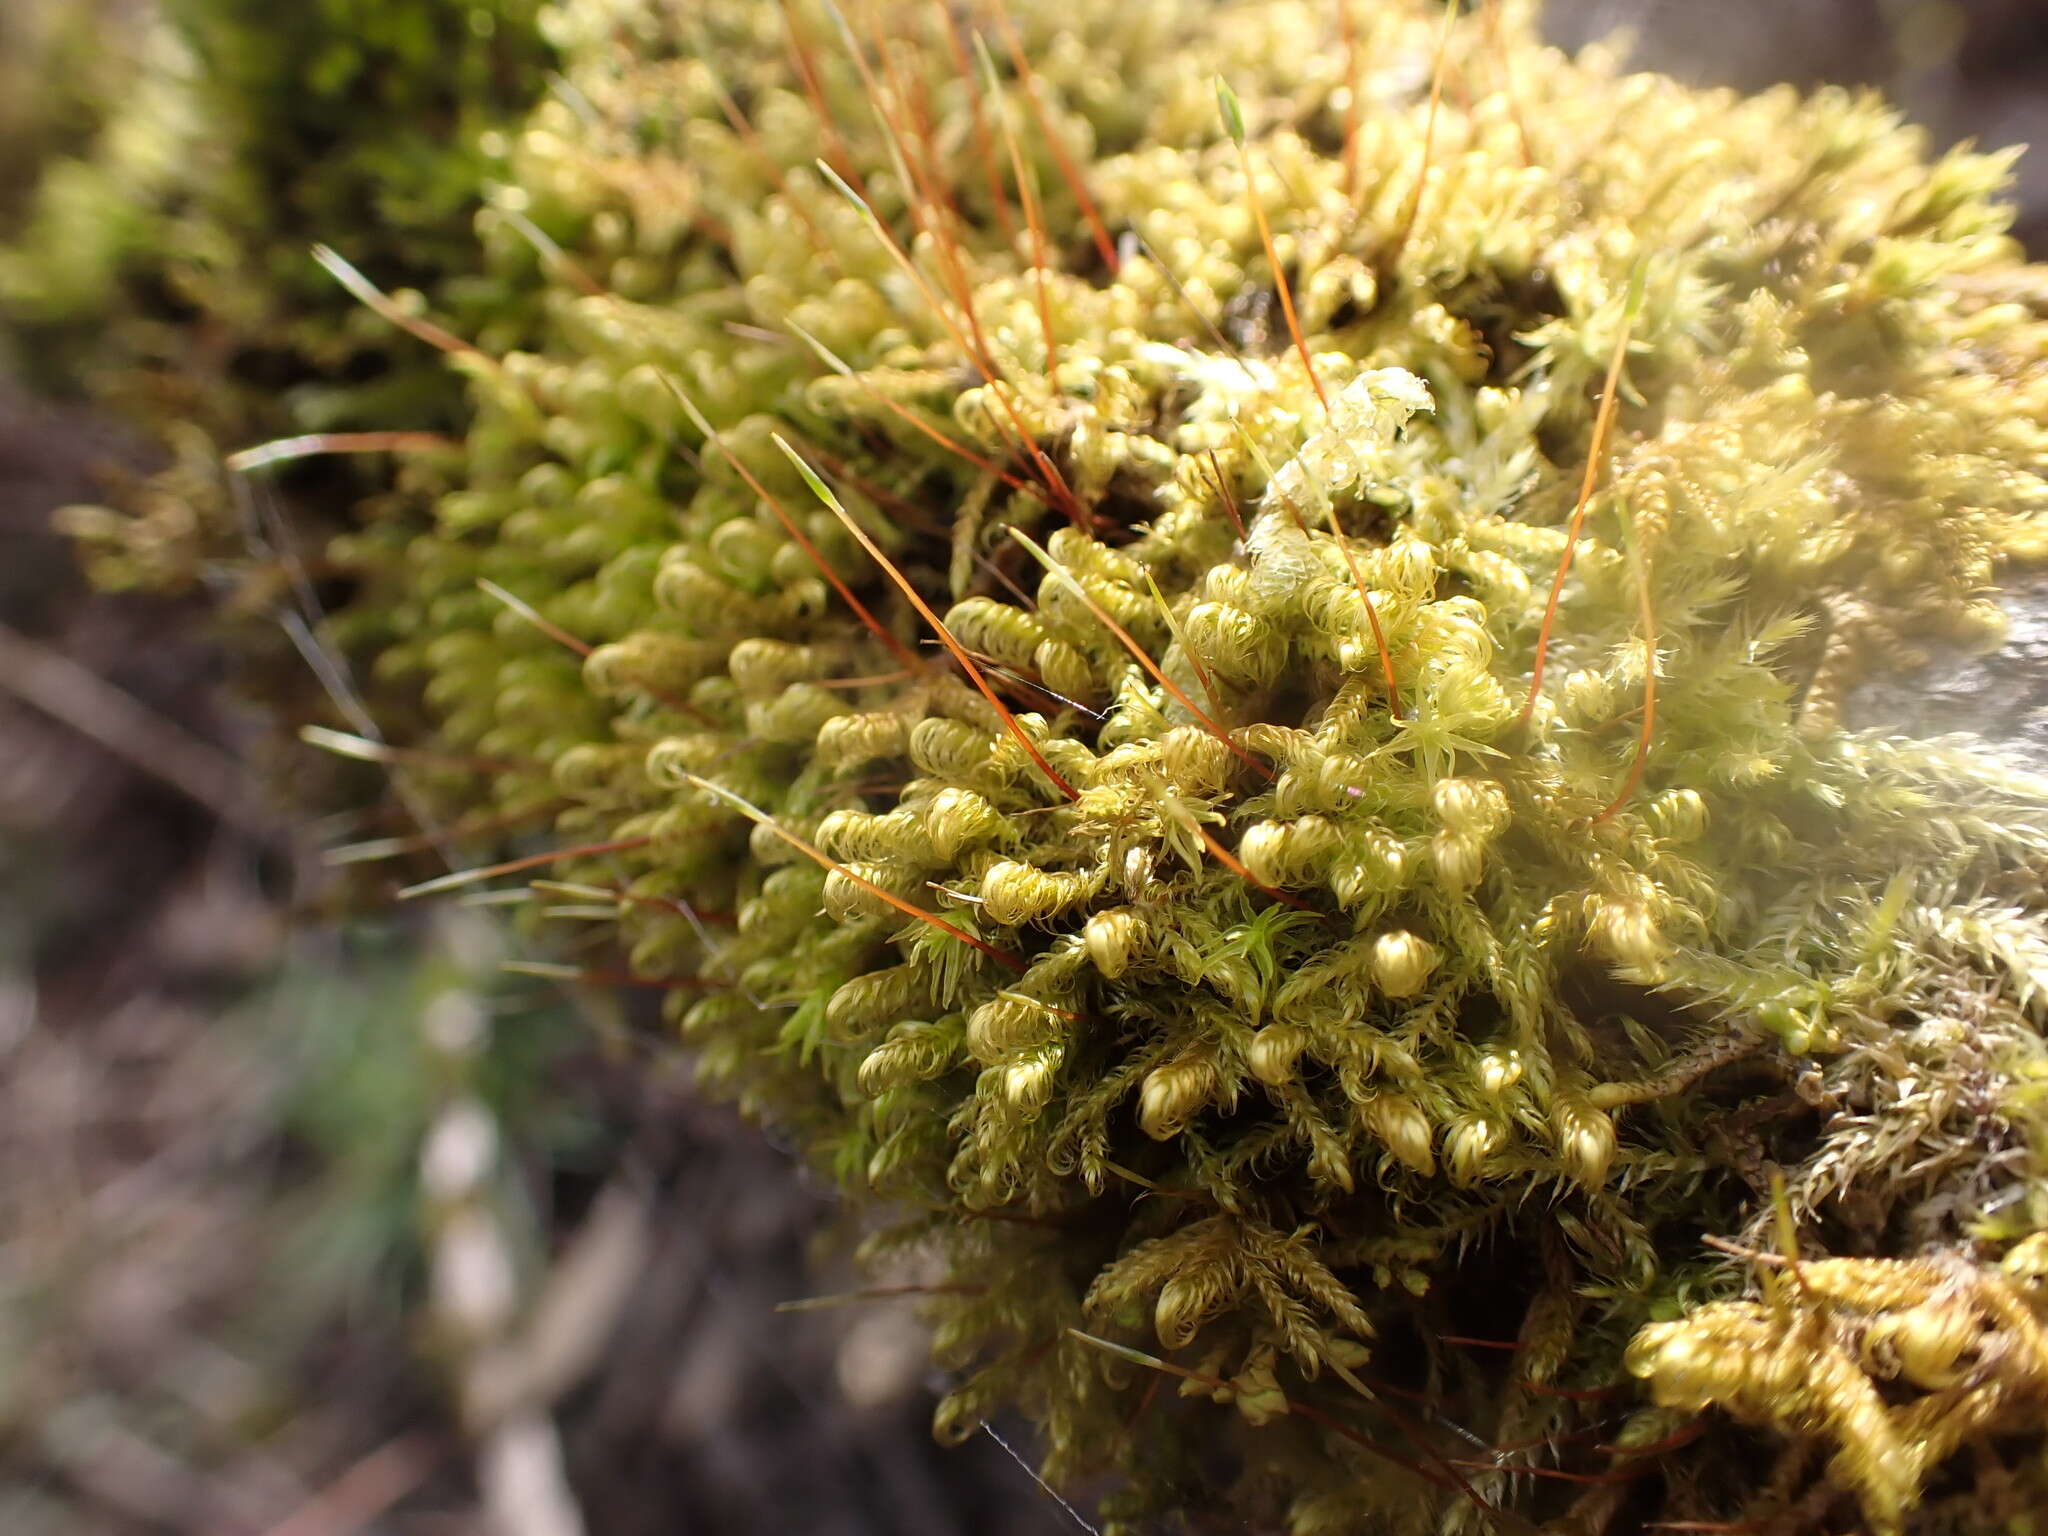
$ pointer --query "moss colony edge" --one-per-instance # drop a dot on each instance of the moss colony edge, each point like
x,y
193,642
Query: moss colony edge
x,y
1244,988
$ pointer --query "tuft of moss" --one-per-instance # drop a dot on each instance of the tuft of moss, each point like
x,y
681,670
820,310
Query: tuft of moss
x,y
1029,599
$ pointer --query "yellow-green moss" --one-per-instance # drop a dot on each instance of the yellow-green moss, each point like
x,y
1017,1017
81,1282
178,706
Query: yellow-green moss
x,y
1318,1032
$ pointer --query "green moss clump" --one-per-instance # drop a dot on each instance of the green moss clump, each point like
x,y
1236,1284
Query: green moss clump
x,y
1275,993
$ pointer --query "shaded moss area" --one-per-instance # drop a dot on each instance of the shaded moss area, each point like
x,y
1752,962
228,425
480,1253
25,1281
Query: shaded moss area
x,y
194,153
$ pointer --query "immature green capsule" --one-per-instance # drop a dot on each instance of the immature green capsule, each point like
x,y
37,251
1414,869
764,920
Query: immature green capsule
x,y
1066,671
1467,1146
960,818
590,769
1287,852
899,834
1459,858
1183,1305
1009,634
1501,581
1927,1342
1585,1137
1500,1070
1113,939
1400,1123
948,749
1680,814
1013,892
849,741
916,1051
1588,699
876,998
848,896
1028,1084
1402,963
649,660
795,715
767,847
762,668
1375,866
1233,642
1625,932
1683,1375
1274,1053
1172,1095
1475,808
1195,760
1007,1023
2027,1260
